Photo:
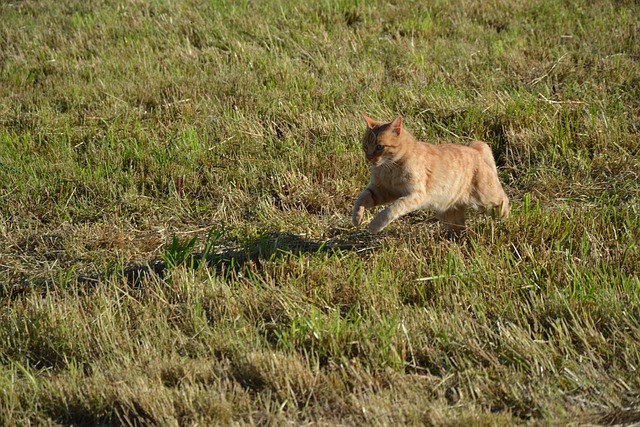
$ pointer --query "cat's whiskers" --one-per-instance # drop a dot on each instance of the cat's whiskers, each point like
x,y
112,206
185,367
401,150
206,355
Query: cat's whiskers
x,y
389,163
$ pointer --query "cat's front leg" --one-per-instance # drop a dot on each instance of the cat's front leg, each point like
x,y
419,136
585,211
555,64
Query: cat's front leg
x,y
400,207
365,200
370,197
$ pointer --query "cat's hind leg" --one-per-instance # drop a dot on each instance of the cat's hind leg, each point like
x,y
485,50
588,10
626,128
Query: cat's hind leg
x,y
489,194
453,220
493,200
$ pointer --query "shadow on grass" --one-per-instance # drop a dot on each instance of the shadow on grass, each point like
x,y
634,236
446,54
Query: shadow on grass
x,y
217,255
223,258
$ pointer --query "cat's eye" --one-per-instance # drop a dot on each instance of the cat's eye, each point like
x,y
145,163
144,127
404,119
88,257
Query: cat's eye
x,y
379,147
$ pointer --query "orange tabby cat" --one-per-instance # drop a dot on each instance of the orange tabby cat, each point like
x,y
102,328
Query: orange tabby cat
x,y
413,175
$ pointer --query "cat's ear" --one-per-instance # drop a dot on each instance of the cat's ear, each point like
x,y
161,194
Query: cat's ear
x,y
396,125
370,122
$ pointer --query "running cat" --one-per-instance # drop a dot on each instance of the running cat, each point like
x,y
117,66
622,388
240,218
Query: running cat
x,y
412,175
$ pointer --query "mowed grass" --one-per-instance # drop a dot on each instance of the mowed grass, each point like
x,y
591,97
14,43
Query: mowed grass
x,y
176,184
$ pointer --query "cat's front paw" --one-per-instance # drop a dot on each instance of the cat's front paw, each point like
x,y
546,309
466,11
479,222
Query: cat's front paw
x,y
358,214
377,225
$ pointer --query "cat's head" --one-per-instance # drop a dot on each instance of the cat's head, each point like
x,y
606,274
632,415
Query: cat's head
x,y
380,142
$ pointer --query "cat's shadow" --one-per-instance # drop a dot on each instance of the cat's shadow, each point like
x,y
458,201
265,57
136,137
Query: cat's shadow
x,y
267,247
224,258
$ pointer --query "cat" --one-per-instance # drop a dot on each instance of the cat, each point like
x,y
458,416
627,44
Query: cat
x,y
412,175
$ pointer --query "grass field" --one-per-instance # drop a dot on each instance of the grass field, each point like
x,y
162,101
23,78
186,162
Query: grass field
x,y
176,185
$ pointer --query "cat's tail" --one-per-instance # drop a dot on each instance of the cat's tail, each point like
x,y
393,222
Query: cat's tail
x,y
485,153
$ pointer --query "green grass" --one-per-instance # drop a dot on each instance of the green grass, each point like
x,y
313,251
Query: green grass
x,y
176,184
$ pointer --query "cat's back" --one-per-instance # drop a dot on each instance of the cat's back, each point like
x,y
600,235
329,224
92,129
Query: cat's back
x,y
455,155
452,167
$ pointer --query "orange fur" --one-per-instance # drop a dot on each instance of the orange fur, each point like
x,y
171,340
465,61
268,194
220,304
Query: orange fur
x,y
411,175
